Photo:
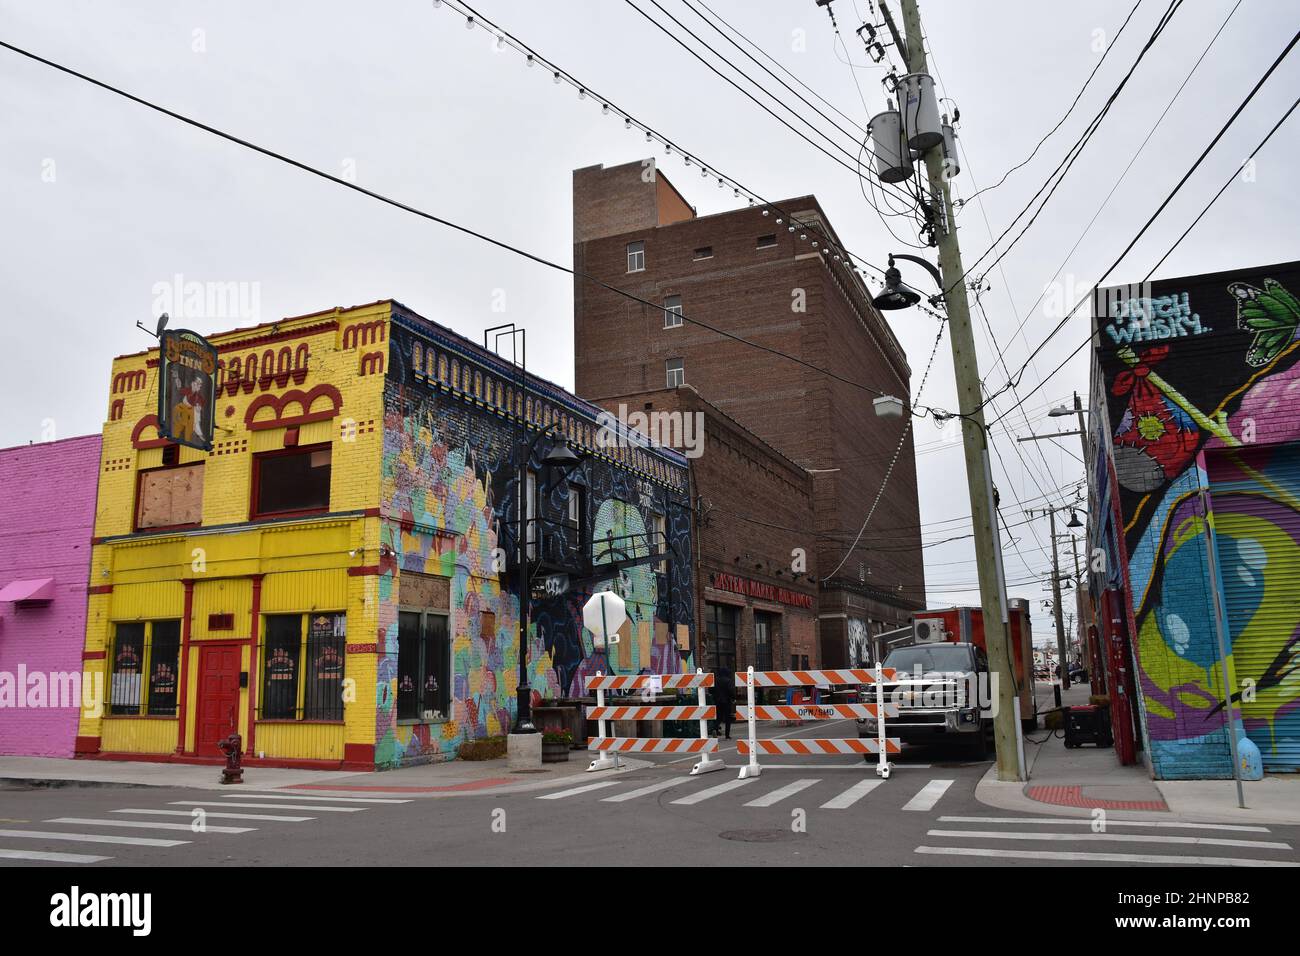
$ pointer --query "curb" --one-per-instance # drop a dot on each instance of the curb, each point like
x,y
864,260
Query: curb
x,y
60,783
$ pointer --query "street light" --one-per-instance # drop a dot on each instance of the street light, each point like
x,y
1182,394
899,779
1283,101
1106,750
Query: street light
x,y
559,455
896,295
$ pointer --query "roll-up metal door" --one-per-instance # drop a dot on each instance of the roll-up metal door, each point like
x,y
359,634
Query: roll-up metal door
x,y
1256,501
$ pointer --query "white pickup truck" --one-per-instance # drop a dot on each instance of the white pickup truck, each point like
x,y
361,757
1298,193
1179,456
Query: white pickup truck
x,y
937,689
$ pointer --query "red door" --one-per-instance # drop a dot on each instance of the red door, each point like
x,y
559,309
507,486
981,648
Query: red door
x,y
218,708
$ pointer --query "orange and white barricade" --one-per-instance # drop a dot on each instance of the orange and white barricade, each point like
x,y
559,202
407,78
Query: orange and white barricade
x,y
608,748
751,712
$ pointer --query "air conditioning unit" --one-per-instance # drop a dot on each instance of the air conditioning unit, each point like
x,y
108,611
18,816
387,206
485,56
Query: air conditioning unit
x,y
928,630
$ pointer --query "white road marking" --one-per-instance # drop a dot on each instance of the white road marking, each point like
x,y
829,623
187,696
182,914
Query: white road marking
x,y
149,825
633,794
577,790
46,857
1088,821
781,793
928,795
88,838
702,795
213,814
851,795
265,806
308,796
1076,857
1109,837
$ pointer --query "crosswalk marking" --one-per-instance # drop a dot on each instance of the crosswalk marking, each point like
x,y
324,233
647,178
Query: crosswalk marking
x,y
702,795
643,791
1111,837
265,806
213,814
928,795
576,790
47,857
309,796
851,795
1088,821
781,793
88,838
1081,857
149,825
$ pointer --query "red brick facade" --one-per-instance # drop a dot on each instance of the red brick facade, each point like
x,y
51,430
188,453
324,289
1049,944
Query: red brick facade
x,y
741,273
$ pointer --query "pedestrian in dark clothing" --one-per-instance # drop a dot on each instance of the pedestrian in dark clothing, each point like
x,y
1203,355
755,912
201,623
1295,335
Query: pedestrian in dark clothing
x,y
724,699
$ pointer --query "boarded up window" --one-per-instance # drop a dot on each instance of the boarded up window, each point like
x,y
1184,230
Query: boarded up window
x,y
424,590
170,496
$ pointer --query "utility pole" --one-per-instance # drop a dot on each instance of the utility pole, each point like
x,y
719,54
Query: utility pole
x,y
1062,659
974,434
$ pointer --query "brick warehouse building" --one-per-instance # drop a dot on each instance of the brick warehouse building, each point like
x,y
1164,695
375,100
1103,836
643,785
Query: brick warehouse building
x,y
46,513
740,272
1194,385
755,593
336,579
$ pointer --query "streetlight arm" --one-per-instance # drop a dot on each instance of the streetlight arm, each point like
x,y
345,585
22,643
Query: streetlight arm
x,y
925,264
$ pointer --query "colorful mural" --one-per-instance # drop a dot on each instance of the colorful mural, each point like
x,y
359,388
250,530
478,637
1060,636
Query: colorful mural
x,y
1198,376
449,493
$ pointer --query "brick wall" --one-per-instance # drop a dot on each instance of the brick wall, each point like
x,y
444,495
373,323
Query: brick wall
x,y
786,298
47,506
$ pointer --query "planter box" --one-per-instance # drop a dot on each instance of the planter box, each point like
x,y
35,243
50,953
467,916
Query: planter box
x,y
555,753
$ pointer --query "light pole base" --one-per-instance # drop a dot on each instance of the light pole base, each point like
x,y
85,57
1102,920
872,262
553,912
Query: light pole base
x,y
524,751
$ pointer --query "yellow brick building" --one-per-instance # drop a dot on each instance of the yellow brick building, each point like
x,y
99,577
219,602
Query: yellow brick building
x,y
194,551
333,581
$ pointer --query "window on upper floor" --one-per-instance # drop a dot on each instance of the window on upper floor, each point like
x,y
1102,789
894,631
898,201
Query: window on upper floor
x,y
293,481
672,311
704,252
676,372
636,257
169,497
767,242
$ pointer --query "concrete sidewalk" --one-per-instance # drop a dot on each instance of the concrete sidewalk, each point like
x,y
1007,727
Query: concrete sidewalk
x,y
451,778
1078,782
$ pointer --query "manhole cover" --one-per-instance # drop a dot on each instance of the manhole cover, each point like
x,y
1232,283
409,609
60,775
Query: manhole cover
x,y
754,836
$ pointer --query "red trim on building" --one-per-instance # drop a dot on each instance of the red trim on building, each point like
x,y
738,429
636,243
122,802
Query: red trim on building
x,y
359,755
85,746
253,629
93,655
141,444
100,589
363,648
185,664
278,403
364,570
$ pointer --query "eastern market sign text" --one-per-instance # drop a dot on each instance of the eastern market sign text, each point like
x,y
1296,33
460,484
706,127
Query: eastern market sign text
x,y
768,592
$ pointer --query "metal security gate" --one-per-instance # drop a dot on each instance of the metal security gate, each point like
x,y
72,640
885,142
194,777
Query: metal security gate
x,y
1256,501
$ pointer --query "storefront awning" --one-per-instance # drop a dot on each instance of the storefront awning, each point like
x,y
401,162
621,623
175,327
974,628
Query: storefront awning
x,y
36,589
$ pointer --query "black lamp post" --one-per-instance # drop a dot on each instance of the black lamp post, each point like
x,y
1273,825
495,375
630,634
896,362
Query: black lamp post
x,y
560,455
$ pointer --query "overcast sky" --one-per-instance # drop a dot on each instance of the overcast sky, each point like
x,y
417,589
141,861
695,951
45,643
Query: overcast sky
x,y
102,201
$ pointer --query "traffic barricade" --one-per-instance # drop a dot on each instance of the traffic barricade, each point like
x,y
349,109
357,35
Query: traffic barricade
x,y
752,712
608,748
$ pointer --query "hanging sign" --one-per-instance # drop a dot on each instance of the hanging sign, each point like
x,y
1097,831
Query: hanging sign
x,y
187,379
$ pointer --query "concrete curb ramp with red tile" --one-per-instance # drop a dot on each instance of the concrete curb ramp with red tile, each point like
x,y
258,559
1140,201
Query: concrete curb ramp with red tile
x,y
1073,796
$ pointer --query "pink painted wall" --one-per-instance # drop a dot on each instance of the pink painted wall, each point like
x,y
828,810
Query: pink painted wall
x,y
47,512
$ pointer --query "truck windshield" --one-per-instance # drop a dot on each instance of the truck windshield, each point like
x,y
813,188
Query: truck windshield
x,y
930,657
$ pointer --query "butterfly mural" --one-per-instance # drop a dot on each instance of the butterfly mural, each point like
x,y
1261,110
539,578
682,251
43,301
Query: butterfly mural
x,y
1272,313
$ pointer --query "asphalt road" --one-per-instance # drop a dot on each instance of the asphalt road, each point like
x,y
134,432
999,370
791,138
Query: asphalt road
x,y
817,810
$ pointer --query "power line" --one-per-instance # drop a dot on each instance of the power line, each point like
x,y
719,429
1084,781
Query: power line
x,y
1104,53
1169,251
1147,225
397,204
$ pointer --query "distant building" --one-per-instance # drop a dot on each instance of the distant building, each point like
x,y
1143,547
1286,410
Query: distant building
x,y
1196,405
755,585
47,515
337,580
744,274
